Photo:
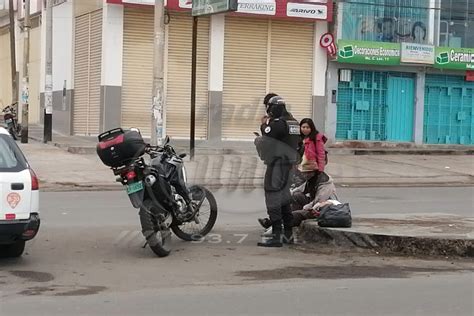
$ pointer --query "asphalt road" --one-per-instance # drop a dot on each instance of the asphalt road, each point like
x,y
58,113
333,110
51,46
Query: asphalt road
x,y
88,260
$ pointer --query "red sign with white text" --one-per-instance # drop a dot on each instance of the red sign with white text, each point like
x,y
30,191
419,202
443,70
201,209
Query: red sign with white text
x,y
470,75
314,10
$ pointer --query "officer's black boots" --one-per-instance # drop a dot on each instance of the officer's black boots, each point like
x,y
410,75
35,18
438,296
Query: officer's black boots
x,y
275,241
287,237
265,222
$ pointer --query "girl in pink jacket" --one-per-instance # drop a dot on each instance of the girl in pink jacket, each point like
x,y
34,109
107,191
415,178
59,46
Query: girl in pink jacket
x,y
314,158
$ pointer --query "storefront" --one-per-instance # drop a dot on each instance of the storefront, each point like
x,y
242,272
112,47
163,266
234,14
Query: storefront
x,y
258,58
138,72
87,73
265,47
374,104
449,99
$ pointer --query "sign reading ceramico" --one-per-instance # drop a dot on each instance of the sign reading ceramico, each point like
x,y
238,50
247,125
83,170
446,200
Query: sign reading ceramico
x,y
454,58
372,53
417,53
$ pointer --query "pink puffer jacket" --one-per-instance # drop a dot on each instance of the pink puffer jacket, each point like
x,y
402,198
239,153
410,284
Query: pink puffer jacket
x,y
316,151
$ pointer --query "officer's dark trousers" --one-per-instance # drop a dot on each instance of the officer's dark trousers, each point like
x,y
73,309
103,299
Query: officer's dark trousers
x,y
277,191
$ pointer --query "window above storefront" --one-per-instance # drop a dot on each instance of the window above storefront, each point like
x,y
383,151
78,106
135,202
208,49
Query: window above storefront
x,y
392,21
456,23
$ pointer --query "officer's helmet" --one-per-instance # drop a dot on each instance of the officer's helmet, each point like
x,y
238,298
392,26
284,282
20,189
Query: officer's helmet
x,y
276,106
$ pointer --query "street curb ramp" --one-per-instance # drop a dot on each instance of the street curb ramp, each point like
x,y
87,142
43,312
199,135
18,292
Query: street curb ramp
x,y
310,232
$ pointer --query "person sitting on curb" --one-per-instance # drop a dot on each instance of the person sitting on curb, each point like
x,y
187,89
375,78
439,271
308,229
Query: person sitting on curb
x,y
325,191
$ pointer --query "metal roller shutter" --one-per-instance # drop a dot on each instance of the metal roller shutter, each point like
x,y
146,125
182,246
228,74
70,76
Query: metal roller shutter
x,y
245,76
137,69
5,78
87,73
291,71
178,94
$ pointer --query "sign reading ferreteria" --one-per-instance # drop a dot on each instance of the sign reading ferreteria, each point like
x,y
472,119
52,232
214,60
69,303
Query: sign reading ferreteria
x,y
454,58
372,53
208,7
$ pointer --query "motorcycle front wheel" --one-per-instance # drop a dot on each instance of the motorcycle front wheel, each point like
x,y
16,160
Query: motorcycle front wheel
x,y
206,216
158,239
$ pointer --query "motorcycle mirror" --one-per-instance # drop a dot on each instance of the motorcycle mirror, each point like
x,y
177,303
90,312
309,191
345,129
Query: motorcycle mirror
x,y
182,156
167,140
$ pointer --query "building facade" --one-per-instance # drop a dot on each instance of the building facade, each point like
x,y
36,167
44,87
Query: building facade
x,y
269,45
403,72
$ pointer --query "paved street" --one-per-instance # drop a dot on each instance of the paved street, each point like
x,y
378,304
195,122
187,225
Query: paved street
x,y
88,260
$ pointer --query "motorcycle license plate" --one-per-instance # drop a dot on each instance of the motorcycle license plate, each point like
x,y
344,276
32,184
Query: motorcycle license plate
x,y
8,121
134,187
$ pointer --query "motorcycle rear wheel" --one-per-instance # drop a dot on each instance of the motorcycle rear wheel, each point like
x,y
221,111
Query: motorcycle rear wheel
x,y
13,133
190,231
157,238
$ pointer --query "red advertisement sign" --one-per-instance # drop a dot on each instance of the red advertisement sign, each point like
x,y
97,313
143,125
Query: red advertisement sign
x,y
321,10
470,75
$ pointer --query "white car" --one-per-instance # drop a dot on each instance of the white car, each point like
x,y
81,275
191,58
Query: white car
x,y
19,194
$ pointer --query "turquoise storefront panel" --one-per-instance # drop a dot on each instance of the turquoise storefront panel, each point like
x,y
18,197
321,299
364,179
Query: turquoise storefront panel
x,y
363,107
401,104
449,109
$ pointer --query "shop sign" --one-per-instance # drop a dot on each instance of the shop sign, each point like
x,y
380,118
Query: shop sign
x,y
208,7
417,53
372,53
284,9
265,7
327,42
307,10
454,58
142,2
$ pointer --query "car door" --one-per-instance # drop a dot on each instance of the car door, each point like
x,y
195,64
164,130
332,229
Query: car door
x,y
15,182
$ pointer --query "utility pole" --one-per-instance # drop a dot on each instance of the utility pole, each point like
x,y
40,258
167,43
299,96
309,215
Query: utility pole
x,y
157,129
26,60
48,89
13,57
192,135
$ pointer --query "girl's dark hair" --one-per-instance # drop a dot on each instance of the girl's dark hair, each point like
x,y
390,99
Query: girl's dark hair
x,y
314,131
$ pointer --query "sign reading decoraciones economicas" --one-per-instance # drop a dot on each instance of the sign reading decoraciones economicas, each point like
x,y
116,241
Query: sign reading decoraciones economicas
x,y
372,53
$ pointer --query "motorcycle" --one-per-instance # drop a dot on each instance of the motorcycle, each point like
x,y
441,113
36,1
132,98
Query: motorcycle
x,y
158,188
11,120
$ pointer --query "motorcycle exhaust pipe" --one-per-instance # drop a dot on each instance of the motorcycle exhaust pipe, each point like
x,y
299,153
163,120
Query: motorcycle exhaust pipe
x,y
150,180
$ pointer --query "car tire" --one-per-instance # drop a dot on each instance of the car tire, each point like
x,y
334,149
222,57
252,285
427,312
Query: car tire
x,y
12,251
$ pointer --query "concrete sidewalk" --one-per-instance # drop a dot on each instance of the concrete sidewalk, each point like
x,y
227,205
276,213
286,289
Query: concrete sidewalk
x,y
87,145
416,234
61,170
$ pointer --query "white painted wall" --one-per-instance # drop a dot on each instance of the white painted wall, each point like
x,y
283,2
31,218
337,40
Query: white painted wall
x,y
216,53
35,7
320,61
112,45
63,46
43,50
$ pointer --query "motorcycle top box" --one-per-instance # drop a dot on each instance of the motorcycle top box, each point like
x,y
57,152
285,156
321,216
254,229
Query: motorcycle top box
x,y
118,147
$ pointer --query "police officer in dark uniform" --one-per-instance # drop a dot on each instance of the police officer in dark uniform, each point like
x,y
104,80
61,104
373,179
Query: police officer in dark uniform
x,y
277,147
